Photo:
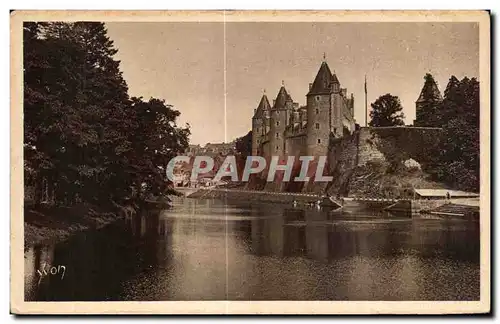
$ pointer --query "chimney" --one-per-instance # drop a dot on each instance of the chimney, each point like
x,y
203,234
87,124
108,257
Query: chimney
x,y
310,86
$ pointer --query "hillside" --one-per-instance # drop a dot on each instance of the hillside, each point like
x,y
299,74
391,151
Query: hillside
x,y
381,162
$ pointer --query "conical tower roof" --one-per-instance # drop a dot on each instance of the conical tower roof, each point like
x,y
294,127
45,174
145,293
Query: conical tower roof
x,y
334,78
323,81
429,90
282,98
263,107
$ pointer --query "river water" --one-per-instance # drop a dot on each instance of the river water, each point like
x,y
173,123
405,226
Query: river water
x,y
219,250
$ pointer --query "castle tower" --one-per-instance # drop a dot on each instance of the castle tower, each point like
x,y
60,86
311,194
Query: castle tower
x,y
319,114
280,115
338,108
260,124
427,102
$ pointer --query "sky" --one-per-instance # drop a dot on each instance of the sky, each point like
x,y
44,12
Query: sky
x,y
216,73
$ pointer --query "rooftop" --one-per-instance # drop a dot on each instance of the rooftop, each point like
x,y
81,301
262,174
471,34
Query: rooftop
x,y
323,81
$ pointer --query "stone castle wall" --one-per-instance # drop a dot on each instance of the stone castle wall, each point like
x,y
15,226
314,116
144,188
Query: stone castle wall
x,y
296,145
382,144
401,143
350,154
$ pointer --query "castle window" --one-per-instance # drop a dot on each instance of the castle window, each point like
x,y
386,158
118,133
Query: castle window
x,y
317,98
258,141
317,125
277,147
319,140
257,129
277,123
317,111
277,135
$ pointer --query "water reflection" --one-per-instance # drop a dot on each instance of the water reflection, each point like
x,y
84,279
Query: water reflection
x,y
38,258
216,250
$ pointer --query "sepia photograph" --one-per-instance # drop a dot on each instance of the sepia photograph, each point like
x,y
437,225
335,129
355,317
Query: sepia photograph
x,y
250,162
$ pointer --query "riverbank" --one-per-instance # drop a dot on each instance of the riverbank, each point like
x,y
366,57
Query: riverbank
x,y
460,208
55,224
254,195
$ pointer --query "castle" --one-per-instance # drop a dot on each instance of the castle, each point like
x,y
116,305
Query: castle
x,y
285,129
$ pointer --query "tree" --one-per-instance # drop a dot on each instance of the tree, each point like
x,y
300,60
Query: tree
x,y
455,157
244,144
82,131
450,106
33,94
155,139
460,151
386,111
51,84
95,110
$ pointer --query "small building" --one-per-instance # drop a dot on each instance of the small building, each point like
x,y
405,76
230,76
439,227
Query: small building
x,y
431,194
206,181
181,179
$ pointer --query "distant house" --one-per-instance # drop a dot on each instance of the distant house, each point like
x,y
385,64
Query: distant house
x,y
193,150
181,179
212,149
207,181
442,194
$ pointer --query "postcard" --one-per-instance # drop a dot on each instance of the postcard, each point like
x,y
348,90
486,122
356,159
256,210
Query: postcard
x,y
250,162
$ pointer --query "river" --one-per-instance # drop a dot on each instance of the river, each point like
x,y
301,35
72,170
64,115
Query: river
x,y
217,250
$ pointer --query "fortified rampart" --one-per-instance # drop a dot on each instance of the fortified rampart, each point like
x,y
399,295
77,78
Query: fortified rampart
x,y
381,161
372,161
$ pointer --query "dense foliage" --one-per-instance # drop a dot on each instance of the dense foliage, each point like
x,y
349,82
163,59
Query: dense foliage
x,y
243,144
386,111
83,136
455,157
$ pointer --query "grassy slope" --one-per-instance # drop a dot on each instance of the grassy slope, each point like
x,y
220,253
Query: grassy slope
x,y
385,177
48,223
376,181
